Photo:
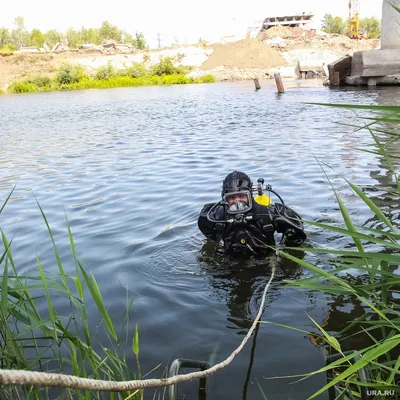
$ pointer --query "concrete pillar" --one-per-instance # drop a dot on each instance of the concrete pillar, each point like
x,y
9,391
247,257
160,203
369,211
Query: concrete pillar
x,y
390,36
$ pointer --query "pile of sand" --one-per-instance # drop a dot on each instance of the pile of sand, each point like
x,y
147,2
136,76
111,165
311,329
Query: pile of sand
x,y
283,32
247,53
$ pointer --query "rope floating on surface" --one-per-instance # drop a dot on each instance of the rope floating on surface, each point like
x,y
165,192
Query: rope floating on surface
x,y
45,379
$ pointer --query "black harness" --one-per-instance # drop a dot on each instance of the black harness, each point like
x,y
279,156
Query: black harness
x,y
250,232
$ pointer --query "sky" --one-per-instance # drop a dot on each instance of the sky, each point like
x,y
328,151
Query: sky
x,y
173,19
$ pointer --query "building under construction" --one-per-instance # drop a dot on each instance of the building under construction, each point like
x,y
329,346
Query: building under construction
x,y
300,20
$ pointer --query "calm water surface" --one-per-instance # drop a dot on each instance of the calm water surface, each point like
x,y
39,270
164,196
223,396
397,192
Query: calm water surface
x,y
132,168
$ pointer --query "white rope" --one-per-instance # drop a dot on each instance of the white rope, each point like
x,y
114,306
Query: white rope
x,y
29,378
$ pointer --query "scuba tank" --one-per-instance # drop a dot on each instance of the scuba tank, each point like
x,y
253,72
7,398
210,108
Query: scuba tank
x,y
286,221
263,199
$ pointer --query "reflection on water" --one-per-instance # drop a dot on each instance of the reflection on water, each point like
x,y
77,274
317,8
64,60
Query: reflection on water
x,y
132,169
239,282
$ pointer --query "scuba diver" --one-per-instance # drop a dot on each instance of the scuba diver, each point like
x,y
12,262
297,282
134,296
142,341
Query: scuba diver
x,y
245,224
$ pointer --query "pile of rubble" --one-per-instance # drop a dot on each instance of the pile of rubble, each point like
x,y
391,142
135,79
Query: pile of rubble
x,y
107,47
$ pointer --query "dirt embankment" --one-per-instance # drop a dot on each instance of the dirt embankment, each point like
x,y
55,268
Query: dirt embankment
x,y
278,49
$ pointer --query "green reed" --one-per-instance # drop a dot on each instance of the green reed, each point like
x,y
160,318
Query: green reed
x,y
376,367
51,341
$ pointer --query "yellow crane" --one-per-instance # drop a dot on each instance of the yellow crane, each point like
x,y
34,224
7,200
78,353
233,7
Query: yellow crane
x,y
354,21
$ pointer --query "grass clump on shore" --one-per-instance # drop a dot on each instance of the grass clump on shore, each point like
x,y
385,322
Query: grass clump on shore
x,y
36,336
74,77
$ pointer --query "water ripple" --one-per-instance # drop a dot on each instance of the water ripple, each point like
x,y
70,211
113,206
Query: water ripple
x,y
132,167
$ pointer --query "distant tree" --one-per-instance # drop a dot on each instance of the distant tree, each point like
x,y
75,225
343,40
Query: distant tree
x,y
19,23
332,24
140,42
19,35
91,36
372,26
127,37
5,37
52,37
37,38
110,32
74,38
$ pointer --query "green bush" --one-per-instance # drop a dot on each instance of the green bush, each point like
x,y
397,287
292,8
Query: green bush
x,y
166,67
206,79
105,72
69,73
40,81
175,79
8,49
70,77
23,87
136,70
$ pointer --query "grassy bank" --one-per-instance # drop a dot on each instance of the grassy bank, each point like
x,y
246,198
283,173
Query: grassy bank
x,y
36,338
363,358
75,77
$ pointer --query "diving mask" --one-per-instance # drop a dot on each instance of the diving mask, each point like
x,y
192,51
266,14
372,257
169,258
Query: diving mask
x,y
238,202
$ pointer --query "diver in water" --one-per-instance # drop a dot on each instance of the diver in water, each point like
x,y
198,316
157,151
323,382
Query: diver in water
x,y
245,224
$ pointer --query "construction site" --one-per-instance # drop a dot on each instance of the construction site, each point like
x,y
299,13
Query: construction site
x,y
284,44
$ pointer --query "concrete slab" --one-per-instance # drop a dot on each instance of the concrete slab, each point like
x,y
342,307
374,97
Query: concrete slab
x,y
374,63
339,69
390,34
390,80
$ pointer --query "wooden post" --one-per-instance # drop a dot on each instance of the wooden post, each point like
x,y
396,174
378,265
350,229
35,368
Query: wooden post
x,y
279,83
257,84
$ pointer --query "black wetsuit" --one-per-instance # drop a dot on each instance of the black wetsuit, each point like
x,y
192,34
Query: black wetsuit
x,y
252,231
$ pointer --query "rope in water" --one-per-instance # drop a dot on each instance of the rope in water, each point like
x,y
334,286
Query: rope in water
x,y
45,379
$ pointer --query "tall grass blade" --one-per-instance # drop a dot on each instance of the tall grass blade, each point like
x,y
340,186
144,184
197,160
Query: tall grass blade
x,y
59,263
370,355
374,208
95,292
7,199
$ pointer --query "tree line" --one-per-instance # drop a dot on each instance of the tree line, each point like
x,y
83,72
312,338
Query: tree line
x,y
20,36
371,26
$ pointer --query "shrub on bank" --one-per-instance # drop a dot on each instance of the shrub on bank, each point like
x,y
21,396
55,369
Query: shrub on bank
x,y
7,49
23,87
74,77
166,67
69,73
40,81
105,72
207,79
136,70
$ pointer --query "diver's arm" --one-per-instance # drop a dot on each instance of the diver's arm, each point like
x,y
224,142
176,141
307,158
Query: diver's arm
x,y
211,229
289,223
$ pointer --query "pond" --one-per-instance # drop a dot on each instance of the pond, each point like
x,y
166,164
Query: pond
x,y
131,169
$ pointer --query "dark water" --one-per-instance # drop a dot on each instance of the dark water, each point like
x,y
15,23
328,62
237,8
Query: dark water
x,y
132,168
